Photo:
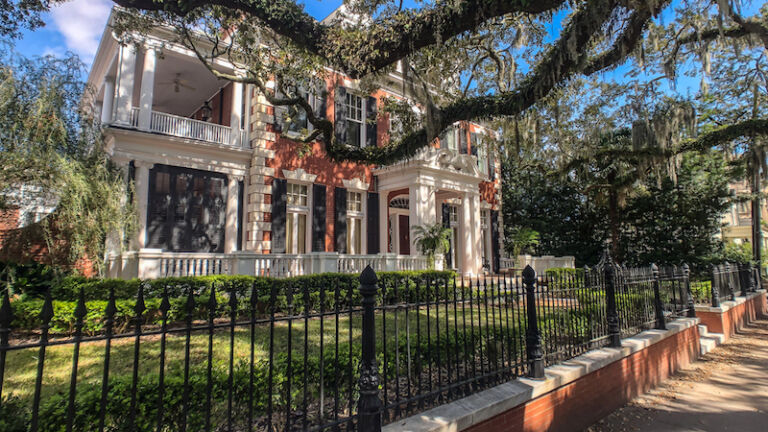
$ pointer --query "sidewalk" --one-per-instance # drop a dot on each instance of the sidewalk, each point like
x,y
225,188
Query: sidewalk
x,y
726,390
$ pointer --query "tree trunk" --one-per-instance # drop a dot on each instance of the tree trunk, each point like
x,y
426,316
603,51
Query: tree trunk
x,y
757,232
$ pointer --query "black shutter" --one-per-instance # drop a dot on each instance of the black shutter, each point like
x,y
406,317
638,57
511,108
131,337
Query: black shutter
x,y
447,224
495,253
340,115
473,144
340,224
321,94
442,139
373,223
318,218
462,141
279,189
280,111
371,120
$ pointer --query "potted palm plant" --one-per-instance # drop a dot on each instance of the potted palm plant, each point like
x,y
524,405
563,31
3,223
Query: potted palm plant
x,y
432,240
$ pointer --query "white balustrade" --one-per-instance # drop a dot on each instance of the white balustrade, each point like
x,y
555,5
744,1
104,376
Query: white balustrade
x,y
134,117
183,127
154,263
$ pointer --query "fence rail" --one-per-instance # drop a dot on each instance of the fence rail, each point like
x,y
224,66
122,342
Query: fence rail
x,y
313,354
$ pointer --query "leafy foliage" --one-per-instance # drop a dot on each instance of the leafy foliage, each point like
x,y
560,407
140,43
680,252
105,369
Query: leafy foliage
x,y
55,155
432,240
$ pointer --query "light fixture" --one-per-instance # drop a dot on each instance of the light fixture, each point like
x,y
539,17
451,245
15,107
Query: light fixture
x,y
206,111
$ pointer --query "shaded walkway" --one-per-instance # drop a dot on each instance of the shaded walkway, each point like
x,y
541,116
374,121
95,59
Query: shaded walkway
x,y
726,390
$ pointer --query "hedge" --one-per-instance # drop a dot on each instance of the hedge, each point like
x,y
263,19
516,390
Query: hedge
x,y
312,292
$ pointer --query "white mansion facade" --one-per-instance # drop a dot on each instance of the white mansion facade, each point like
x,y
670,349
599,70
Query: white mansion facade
x,y
220,187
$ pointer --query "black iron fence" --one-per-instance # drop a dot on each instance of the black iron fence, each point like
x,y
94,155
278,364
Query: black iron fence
x,y
336,356
724,282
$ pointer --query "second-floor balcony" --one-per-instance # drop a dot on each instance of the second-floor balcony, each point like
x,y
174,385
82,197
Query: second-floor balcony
x,y
173,94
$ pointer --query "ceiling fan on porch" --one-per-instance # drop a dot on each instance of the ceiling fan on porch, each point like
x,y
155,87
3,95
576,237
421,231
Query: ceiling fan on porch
x,y
178,83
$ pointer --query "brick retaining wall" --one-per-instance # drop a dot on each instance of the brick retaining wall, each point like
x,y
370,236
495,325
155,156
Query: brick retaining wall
x,y
730,316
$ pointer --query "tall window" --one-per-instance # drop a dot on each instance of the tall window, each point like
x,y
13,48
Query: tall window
x,y
296,219
355,118
453,219
187,210
354,222
485,219
448,139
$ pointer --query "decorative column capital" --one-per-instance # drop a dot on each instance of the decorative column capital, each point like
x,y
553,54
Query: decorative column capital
x,y
143,164
236,177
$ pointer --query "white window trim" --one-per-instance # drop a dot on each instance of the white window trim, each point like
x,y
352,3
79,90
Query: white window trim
x,y
364,124
293,210
360,216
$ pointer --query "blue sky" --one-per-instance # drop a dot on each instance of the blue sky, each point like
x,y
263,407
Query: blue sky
x,y
77,26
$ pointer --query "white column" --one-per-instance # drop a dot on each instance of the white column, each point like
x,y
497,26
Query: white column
x,y
383,222
465,237
477,233
109,97
230,231
141,184
125,84
147,88
421,211
237,112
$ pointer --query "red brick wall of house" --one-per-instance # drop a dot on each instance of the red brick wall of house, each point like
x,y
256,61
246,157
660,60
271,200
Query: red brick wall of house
x,y
584,401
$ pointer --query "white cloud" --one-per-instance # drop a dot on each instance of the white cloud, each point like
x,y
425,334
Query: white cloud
x,y
81,23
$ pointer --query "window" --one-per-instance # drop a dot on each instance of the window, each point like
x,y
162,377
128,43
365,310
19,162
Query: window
x,y
297,194
485,218
355,129
453,221
448,139
296,218
354,222
187,210
354,202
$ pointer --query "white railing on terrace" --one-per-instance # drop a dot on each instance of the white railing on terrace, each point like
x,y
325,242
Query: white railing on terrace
x,y
183,127
152,263
134,121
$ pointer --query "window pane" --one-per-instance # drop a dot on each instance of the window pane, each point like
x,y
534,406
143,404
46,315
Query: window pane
x,y
354,237
289,234
301,236
353,134
354,202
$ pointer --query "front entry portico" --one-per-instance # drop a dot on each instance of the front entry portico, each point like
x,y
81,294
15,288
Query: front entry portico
x,y
437,186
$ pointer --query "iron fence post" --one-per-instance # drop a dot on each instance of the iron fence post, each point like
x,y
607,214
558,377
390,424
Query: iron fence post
x,y
743,278
728,272
715,286
369,403
533,349
657,305
687,278
611,313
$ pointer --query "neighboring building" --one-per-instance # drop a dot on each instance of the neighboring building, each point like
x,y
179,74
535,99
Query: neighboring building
x,y
738,220
221,188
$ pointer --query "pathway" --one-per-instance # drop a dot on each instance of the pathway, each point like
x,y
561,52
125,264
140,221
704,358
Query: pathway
x,y
726,390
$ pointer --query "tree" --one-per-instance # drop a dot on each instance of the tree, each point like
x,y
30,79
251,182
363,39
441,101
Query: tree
x,y
432,240
51,149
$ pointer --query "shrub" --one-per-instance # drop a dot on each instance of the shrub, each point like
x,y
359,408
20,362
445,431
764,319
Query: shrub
x,y
313,292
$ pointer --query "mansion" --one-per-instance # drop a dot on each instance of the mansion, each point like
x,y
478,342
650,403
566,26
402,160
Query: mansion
x,y
220,186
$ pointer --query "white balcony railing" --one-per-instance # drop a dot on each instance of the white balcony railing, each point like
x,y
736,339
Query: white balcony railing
x,y
183,127
153,263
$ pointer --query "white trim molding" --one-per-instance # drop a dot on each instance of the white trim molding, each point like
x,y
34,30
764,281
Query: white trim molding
x,y
356,185
299,175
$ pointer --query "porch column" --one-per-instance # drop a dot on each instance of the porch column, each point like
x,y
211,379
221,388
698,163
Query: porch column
x,y
383,222
142,200
466,263
237,110
421,211
109,98
477,233
147,88
125,83
230,231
